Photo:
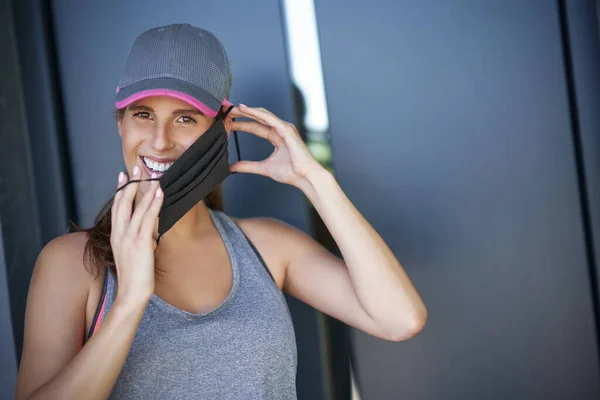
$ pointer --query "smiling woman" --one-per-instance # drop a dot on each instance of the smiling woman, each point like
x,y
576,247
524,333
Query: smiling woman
x,y
155,131
214,322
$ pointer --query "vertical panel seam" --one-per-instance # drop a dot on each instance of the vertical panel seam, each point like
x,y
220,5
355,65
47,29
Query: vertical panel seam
x,y
64,157
579,163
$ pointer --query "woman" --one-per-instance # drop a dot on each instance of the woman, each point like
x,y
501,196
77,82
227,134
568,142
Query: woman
x,y
193,307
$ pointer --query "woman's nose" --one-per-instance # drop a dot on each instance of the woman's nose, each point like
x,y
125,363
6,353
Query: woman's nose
x,y
161,139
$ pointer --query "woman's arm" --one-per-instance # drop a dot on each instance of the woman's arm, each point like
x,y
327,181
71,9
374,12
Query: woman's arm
x,y
371,290
53,363
380,283
54,366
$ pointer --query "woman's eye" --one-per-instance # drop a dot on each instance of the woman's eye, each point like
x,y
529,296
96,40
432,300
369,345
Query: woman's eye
x,y
142,114
186,119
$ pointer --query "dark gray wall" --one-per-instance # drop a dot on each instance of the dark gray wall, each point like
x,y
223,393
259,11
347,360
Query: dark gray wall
x,y
93,40
8,361
451,132
18,201
584,46
42,98
36,162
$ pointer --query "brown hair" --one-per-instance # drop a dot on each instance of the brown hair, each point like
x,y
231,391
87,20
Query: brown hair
x,y
98,252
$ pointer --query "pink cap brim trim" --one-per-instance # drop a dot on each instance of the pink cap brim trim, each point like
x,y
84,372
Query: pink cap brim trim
x,y
171,93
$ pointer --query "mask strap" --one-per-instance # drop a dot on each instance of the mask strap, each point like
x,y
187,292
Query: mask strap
x,y
237,146
137,180
227,112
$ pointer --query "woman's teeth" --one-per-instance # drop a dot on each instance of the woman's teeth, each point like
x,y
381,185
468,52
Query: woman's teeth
x,y
156,166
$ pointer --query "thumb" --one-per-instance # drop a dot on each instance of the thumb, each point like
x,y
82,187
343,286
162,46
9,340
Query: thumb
x,y
249,167
155,230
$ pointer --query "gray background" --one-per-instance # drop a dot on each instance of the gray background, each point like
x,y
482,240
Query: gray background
x,y
454,140
456,130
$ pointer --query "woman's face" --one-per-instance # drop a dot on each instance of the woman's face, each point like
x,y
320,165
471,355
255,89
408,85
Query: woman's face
x,y
155,131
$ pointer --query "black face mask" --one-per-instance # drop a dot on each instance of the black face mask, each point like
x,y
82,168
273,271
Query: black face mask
x,y
200,169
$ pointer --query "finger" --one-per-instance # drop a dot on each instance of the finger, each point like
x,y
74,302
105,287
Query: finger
x,y
150,221
122,179
250,167
117,197
125,206
256,128
142,208
263,116
240,110
235,112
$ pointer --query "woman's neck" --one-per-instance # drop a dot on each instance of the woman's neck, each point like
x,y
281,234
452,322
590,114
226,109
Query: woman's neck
x,y
195,222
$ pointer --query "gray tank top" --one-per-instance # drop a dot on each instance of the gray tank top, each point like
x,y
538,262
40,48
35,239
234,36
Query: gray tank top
x,y
243,349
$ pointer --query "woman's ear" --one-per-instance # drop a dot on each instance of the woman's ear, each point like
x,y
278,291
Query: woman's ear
x,y
228,121
228,124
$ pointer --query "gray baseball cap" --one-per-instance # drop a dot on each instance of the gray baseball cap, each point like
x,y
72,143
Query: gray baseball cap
x,y
180,61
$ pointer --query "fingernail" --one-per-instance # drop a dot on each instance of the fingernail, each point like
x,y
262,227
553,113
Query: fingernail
x,y
121,177
243,105
158,192
136,170
153,175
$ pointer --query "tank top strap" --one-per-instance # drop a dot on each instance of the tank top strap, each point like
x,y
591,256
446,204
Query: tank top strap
x,y
108,290
238,239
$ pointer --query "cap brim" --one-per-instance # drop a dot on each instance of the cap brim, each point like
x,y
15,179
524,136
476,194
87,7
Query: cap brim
x,y
191,94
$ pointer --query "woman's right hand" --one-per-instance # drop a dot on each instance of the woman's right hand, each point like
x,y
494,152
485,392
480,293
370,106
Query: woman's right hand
x,y
133,238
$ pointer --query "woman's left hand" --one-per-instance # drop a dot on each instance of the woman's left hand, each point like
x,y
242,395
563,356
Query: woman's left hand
x,y
291,161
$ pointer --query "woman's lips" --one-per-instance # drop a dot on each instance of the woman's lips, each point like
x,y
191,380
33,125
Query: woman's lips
x,y
150,171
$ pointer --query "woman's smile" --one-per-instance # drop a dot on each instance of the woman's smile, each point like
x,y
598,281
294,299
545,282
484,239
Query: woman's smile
x,y
155,165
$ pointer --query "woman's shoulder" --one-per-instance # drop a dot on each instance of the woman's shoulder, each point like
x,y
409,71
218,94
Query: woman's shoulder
x,y
268,228
277,237
61,261
65,249
264,227
59,292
